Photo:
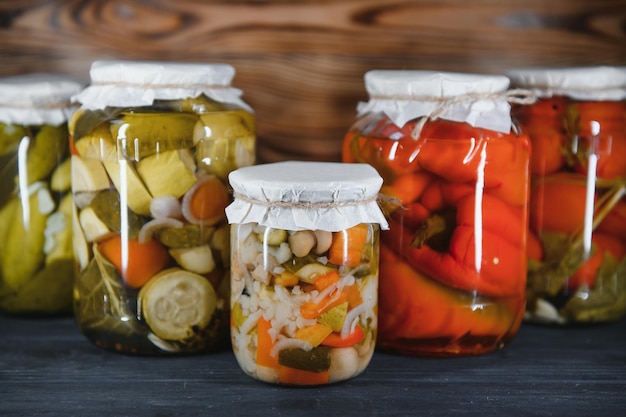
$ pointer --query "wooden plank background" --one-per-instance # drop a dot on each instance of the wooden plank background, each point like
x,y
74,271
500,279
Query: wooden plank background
x,y
301,63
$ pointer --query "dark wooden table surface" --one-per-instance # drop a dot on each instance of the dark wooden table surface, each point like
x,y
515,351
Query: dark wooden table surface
x,y
47,368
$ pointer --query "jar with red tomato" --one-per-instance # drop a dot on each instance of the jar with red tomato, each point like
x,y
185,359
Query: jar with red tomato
x,y
455,171
152,146
577,205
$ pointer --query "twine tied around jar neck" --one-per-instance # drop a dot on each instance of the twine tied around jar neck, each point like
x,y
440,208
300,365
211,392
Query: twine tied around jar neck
x,y
190,86
443,104
380,198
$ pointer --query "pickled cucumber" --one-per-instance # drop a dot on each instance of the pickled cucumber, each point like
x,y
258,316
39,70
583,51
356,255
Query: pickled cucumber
x,y
22,252
88,175
84,121
233,124
188,236
143,134
48,292
8,169
177,303
314,360
138,196
7,216
226,141
97,144
168,173
62,176
45,152
200,104
106,206
10,136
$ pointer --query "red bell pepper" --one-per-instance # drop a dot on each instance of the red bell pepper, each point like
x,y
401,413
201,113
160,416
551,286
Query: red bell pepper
x,y
460,153
543,122
334,339
496,267
600,127
413,306
586,274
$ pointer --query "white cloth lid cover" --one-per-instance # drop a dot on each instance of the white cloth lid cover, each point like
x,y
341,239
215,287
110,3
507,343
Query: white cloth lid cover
x,y
340,195
140,83
403,95
601,83
37,99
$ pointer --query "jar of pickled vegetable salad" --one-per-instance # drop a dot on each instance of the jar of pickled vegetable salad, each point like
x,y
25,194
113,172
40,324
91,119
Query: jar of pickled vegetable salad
x,y
36,263
304,270
578,186
453,264
152,146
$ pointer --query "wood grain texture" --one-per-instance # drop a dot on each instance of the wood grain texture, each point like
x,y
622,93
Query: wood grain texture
x,y
301,63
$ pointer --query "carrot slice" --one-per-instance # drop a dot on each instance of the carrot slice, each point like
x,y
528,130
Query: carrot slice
x,y
293,376
324,281
353,295
264,345
139,263
312,310
347,246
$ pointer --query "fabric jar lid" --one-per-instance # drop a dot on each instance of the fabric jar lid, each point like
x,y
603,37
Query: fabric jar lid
x,y
304,195
600,83
140,83
479,100
37,99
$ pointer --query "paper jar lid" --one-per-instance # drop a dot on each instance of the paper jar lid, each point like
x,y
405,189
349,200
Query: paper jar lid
x,y
303,195
479,100
140,83
37,99
580,83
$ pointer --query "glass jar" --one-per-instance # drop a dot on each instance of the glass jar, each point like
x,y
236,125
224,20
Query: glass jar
x,y
152,147
453,264
304,274
577,204
36,263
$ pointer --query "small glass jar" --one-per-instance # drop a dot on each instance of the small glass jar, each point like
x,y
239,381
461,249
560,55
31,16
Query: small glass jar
x,y
304,275
36,263
152,147
577,273
453,264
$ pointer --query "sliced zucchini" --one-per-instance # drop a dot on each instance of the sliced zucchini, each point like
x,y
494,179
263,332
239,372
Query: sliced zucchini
x,y
176,304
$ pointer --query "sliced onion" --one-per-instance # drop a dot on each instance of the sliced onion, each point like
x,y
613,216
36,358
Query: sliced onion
x,y
165,206
352,319
148,229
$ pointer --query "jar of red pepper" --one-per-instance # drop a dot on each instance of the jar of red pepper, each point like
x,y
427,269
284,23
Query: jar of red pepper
x,y
577,204
453,264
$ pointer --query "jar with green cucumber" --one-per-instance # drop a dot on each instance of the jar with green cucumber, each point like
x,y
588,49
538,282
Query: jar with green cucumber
x,y
36,264
152,146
